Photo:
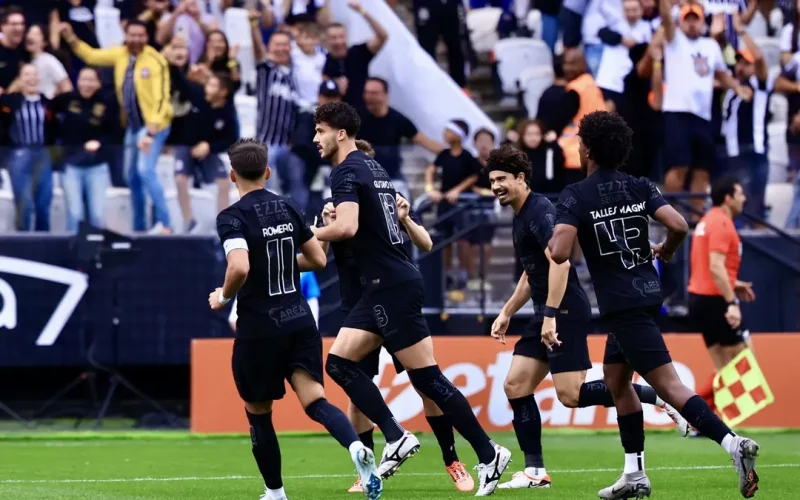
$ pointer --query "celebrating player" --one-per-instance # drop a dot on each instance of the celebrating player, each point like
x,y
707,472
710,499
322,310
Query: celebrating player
x,y
608,212
351,290
276,335
714,290
366,211
556,293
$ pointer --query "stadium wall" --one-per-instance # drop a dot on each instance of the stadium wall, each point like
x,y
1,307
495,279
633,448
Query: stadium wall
x,y
478,367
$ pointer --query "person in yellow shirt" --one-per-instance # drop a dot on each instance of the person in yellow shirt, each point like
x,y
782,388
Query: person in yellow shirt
x,y
142,82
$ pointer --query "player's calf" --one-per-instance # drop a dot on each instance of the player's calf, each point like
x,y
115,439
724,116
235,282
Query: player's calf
x,y
266,450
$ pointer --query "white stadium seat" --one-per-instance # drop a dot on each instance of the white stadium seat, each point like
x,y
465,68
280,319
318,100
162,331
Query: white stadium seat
x,y
513,55
204,208
482,26
533,82
58,208
246,110
8,212
118,211
779,198
533,21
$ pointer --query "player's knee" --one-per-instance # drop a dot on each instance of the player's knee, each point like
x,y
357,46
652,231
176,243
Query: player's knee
x,y
258,408
515,387
568,396
337,368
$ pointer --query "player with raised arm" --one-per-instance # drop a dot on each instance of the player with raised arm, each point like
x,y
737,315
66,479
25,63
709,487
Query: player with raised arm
x,y
555,340
366,211
276,335
608,213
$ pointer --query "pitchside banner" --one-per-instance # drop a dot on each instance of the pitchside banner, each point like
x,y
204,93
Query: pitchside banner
x,y
478,366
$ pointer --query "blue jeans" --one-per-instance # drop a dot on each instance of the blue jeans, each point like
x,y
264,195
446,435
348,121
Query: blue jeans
x,y
141,171
292,177
32,181
550,29
85,182
752,169
594,53
275,155
793,220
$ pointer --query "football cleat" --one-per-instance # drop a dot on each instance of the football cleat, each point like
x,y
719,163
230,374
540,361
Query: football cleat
x,y
461,477
683,426
396,453
368,473
489,474
521,480
744,452
356,488
633,485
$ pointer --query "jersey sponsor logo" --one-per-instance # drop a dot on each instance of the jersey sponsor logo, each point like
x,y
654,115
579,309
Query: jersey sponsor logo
x,y
270,212
646,287
383,184
77,283
376,169
276,230
283,315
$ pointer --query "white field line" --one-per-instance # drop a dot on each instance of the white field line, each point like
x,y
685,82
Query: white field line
x,y
330,476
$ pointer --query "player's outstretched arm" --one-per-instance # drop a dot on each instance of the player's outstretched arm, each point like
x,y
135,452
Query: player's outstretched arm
x,y
312,256
343,227
560,245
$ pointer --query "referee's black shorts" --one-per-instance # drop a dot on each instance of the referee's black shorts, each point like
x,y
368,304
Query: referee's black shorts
x,y
707,314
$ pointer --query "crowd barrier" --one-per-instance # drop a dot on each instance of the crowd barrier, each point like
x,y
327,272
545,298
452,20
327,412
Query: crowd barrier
x,y
478,366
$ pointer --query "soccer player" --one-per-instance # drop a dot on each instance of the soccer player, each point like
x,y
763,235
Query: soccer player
x,y
351,291
608,213
366,211
556,293
714,290
276,335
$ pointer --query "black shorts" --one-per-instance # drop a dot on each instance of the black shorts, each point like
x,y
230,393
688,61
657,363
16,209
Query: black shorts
x,y
397,310
707,314
571,356
261,365
635,338
209,169
688,141
359,317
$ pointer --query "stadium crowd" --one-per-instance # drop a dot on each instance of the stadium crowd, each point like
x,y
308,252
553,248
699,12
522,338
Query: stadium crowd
x,y
694,86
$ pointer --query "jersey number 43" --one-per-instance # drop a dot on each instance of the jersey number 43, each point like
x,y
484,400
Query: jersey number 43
x,y
626,237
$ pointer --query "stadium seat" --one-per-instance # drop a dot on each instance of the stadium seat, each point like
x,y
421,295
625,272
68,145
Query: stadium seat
x,y
165,170
513,55
246,109
119,215
769,47
482,25
533,21
58,208
8,213
204,208
779,198
777,151
533,82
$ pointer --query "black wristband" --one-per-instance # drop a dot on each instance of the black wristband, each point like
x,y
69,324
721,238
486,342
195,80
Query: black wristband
x,y
734,302
550,312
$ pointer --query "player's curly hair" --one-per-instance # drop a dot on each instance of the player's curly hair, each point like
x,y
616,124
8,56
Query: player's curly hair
x,y
339,116
509,159
607,137
365,147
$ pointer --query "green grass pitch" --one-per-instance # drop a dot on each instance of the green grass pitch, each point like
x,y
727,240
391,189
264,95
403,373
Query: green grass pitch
x,y
178,466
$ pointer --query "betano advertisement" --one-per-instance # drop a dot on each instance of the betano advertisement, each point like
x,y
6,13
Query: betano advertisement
x,y
478,366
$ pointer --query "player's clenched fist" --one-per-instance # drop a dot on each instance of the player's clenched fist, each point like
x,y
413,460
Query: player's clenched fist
x,y
403,207
213,300
499,328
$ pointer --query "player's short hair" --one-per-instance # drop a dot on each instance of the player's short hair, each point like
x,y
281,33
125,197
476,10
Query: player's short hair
x,y
366,147
608,138
135,22
340,116
383,82
483,131
509,159
248,158
722,187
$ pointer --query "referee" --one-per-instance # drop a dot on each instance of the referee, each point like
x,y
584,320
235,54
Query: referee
x,y
714,290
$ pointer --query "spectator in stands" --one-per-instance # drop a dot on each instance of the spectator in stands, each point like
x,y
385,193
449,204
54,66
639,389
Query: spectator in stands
x,y
276,91
214,126
688,131
385,128
599,14
151,16
745,122
308,60
80,14
12,48
187,20
446,19
582,96
31,128
219,58
549,107
788,83
548,175
142,83
481,238
53,78
616,63
349,67
571,20
88,128
457,171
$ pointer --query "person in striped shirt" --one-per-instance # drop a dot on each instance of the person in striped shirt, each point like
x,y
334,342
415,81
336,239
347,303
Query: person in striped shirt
x,y
30,131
